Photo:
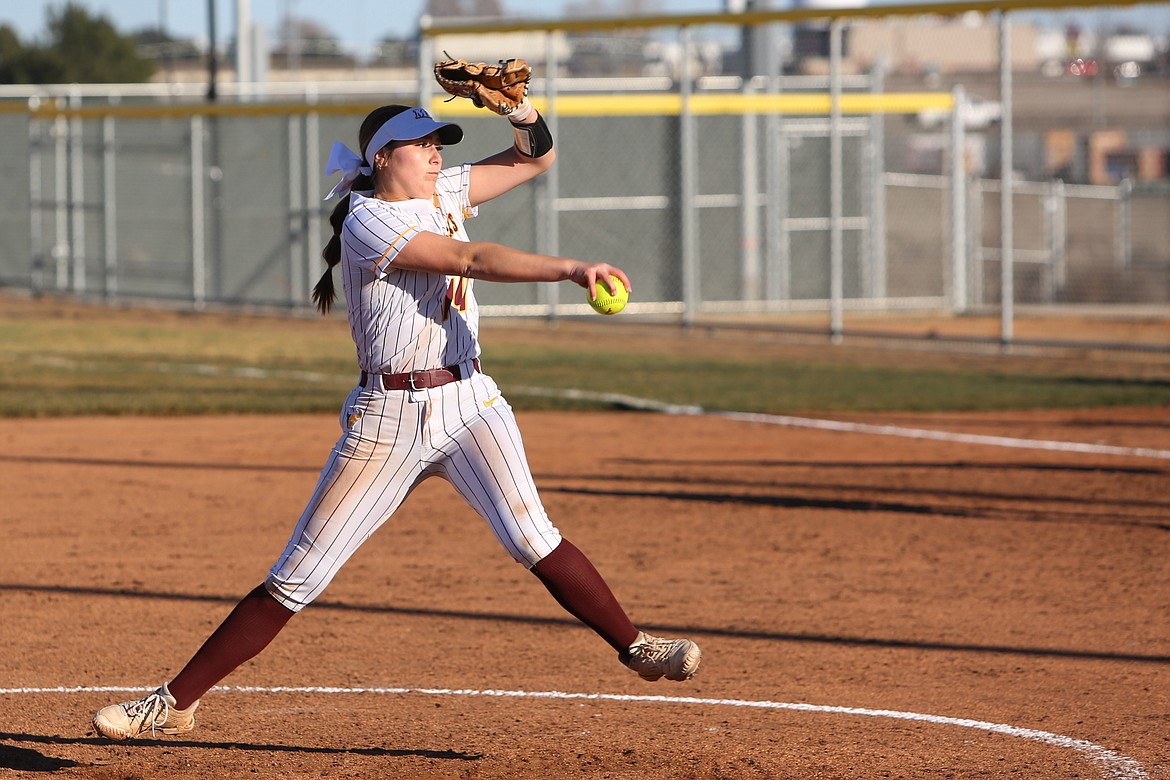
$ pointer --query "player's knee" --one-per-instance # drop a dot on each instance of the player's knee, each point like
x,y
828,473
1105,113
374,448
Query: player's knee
x,y
291,595
531,550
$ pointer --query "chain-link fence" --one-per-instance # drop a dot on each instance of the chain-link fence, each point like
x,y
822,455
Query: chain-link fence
x,y
849,169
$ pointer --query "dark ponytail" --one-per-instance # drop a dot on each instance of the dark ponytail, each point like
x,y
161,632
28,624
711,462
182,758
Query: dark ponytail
x,y
324,292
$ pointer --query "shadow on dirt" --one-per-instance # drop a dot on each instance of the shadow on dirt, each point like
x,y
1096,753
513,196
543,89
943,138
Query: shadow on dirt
x,y
1013,514
500,617
30,760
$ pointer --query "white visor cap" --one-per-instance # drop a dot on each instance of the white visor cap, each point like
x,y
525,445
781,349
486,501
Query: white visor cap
x,y
411,124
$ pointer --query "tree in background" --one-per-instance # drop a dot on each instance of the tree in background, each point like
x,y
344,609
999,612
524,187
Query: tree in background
x,y
20,64
80,49
14,65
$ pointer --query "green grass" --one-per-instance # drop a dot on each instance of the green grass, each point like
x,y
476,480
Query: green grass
x,y
780,387
179,365
112,362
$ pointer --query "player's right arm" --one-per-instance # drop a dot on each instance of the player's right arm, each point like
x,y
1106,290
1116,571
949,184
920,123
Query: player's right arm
x,y
531,155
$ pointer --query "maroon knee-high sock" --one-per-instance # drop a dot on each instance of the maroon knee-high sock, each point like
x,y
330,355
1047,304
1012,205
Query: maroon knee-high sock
x,y
255,621
579,588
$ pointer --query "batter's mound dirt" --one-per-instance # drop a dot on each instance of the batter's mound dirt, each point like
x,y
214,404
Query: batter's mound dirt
x,y
1012,586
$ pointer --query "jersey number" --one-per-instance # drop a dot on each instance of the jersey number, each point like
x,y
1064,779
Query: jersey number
x,y
456,297
456,288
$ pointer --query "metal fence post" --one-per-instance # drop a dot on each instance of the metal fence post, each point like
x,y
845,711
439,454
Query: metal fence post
x,y
777,267
198,244
1007,236
836,186
549,233
36,205
77,195
313,173
749,215
876,279
688,214
1059,238
109,207
1047,209
296,212
61,252
959,243
426,61
1124,223
978,257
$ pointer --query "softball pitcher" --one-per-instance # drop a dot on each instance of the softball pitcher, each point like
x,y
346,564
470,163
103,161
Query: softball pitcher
x,y
422,406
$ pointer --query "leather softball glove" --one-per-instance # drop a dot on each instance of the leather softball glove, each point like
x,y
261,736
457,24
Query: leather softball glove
x,y
500,88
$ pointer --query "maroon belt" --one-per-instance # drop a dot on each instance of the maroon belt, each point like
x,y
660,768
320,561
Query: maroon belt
x,y
420,380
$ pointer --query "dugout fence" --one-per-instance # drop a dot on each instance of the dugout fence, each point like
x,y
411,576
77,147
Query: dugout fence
x,y
834,198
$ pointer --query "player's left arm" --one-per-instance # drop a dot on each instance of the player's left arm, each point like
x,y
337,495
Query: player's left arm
x,y
491,262
531,155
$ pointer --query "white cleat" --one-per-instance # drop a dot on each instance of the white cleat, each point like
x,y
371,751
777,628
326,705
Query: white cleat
x,y
153,714
653,658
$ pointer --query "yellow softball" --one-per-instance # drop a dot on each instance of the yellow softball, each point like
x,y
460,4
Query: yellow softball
x,y
607,302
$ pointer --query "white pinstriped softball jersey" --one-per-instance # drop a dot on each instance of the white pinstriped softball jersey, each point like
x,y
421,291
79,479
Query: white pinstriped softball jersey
x,y
391,440
405,320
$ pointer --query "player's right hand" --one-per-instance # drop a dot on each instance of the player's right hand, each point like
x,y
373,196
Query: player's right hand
x,y
588,274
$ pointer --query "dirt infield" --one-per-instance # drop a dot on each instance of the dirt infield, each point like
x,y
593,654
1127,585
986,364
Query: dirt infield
x,y
981,611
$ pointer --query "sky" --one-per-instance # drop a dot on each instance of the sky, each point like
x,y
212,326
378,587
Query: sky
x,y
360,24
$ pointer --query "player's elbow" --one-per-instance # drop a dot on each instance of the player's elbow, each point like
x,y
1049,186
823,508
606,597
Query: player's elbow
x,y
491,262
545,161
468,258
531,167
487,260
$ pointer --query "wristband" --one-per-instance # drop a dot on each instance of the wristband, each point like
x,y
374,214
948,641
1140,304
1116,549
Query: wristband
x,y
522,111
533,140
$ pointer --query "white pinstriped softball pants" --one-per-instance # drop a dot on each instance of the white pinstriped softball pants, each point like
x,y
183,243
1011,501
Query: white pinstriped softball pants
x,y
463,431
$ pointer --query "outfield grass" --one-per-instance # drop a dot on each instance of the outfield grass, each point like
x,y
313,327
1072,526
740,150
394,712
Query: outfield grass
x,y
781,387
69,360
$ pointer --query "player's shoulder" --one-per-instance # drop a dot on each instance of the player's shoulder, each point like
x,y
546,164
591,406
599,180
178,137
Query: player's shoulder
x,y
361,206
368,212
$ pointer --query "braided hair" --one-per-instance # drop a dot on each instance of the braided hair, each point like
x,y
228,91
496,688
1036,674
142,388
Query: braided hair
x,y
324,292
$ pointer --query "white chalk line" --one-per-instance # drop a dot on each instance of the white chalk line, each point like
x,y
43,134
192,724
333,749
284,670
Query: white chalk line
x,y
1113,765
206,369
647,404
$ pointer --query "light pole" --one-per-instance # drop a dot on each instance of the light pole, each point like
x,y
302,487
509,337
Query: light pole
x,y
212,62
